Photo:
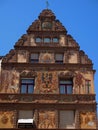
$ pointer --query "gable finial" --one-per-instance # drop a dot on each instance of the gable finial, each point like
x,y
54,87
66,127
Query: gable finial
x,y
47,4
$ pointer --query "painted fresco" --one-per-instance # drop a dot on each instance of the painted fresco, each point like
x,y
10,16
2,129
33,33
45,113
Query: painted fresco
x,y
87,120
7,119
47,82
9,82
22,56
73,57
62,40
79,83
80,86
47,58
47,120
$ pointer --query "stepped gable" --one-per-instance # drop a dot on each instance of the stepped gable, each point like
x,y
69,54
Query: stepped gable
x,y
20,42
47,13
34,27
10,57
46,16
84,58
59,26
71,41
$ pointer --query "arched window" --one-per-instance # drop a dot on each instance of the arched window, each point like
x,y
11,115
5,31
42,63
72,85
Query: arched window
x,y
38,39
55,40
47,40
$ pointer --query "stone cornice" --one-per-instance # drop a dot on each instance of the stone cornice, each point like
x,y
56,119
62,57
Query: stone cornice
x,y
48,99
46,47
47,66
47,33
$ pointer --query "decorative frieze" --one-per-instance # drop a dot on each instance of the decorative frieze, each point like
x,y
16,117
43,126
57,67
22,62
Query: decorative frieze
x,y
47,98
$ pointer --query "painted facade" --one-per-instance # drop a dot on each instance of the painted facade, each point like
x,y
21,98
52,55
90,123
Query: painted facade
x,y
47,78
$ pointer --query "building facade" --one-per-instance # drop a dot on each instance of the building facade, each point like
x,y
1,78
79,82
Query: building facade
x,y
46,81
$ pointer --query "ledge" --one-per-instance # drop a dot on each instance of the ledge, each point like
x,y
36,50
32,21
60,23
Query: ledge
x,y
48,98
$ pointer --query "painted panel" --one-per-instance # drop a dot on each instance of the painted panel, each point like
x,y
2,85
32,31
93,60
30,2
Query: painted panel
x,y
73,58
7,119
62,40
79,81
22,56
9,81
46,58
47,120
87,120
47,82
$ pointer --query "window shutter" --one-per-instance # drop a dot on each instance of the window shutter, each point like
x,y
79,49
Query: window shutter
x,y
66,119
25,114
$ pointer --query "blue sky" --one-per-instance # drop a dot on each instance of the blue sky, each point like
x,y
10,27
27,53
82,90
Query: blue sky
x,y
80,18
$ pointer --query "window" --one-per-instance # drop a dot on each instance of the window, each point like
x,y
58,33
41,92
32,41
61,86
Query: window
x,y
55,40
67,119
27,85
59,58
65,86
38,39
25,119
47,40
87,86
34,58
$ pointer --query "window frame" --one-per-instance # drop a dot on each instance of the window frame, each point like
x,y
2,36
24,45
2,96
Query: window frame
x,y
61,61
34,60
87,86
27,86
55,38
38,39
65,86
45,40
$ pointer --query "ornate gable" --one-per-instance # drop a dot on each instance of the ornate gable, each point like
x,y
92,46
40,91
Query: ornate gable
x,y
10,57
71,41
46,22
49,33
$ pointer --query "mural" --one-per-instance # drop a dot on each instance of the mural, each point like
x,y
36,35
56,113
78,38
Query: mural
x,y
87,120
47,58
7,119
72,57
82,83
79,83
47,82
9,81
22,56
46,120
